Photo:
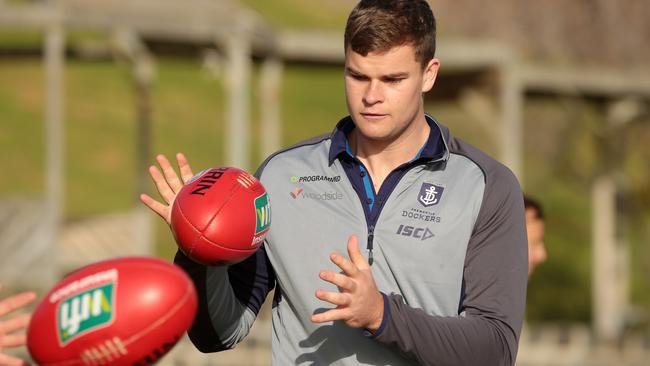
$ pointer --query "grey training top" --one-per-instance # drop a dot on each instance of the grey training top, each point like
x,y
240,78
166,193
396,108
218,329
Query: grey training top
x,y
449,254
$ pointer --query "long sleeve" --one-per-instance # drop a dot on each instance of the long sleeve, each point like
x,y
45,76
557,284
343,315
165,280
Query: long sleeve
x,y
229,299
491,305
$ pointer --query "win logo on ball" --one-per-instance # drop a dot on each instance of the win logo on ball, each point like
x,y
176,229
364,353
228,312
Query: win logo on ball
x,y
221,216
122,311
84,312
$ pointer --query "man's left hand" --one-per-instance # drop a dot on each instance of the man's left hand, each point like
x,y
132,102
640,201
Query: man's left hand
x,y
7,327
358,303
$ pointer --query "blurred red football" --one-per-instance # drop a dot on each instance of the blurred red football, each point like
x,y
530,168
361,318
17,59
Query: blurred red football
x,y
125,311
221,216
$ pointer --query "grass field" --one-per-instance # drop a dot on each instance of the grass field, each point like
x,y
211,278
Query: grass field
x,y
300,14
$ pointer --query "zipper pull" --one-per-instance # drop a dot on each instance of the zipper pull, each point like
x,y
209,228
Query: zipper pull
x,y
371,235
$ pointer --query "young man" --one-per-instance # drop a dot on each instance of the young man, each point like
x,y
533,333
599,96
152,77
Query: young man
x,y
535,231
435,271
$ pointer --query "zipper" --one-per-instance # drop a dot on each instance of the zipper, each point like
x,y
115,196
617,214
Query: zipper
x,y
371,235
372,220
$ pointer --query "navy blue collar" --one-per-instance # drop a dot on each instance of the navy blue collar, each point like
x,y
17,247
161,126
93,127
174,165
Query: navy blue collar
x,y
433,149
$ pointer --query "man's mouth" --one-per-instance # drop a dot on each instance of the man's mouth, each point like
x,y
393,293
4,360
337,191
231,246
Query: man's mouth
x,y
373,116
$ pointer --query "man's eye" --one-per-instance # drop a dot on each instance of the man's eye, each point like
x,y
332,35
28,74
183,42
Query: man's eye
x,y
394,80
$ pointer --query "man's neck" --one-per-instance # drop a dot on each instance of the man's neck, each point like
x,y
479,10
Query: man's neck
x,y
382,157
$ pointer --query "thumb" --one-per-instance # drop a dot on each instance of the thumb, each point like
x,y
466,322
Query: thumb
x,y
355,254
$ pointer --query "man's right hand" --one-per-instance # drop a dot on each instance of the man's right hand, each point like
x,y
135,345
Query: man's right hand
x,y
168,184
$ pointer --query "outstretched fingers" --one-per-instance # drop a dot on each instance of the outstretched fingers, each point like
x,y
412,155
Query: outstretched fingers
x,y
16,302
329,315
337,298
8,340
355,253
155,206
184,166
358,303
168,183
6,360
347,266
173,181
14,324
11,341
344,283
162,185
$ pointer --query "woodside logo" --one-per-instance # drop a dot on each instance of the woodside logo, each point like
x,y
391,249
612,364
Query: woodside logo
x,y
324,196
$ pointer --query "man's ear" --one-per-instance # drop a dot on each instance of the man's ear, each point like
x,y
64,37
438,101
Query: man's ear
x,y
430,74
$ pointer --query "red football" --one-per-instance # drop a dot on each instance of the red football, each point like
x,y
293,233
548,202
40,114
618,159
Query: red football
x,y
125,311
221,216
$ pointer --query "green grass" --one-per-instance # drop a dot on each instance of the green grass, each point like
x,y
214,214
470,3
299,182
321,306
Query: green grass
x,y
21,127
312,102
20,39
32,40
566,273
303,14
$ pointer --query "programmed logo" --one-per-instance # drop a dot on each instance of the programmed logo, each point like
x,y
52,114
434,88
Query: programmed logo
x,y
315,178
430,194
85,311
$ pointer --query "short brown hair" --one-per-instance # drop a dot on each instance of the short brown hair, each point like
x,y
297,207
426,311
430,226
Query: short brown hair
x,y
532,204
379,25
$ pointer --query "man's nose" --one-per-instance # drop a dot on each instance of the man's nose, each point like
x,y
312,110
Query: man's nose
x,y
373,93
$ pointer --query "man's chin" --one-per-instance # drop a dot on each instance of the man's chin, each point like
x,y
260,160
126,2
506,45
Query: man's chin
x,y
377,137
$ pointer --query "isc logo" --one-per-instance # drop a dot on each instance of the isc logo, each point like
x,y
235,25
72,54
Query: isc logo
x,y
85,311
415,232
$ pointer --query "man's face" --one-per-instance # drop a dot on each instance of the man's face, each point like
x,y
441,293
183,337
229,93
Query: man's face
x,y
536,248
384,91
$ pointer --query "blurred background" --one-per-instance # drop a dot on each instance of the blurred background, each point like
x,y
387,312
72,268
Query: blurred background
x,y
92,90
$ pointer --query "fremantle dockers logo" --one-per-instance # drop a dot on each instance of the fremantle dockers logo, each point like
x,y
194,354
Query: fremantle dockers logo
x,y
430,194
